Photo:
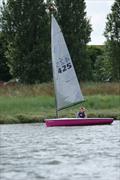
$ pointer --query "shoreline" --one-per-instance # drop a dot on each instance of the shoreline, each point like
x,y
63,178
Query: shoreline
x,y
26,118
34,103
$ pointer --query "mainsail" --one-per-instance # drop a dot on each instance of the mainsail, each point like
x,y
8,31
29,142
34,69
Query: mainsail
x,y
66,84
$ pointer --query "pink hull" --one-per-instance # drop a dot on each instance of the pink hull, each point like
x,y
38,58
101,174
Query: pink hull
x,y
77,121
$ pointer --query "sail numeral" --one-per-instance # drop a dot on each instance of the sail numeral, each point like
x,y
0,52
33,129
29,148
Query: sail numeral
x,y
59,70
64,68
69,66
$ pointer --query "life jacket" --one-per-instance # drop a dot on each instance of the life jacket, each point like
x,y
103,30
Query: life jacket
x,y
81,114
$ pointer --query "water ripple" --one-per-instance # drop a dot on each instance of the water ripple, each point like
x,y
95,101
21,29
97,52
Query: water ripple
x,y
34,152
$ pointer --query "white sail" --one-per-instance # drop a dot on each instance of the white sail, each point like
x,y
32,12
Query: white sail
x,y
66,84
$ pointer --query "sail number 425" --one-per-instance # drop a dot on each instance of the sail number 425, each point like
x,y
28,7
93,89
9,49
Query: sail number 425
x,y
64,68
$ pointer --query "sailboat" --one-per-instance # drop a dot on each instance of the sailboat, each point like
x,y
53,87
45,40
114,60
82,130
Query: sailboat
x,y
66,85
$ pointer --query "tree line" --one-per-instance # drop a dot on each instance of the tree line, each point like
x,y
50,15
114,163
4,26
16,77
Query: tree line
x,y
25,42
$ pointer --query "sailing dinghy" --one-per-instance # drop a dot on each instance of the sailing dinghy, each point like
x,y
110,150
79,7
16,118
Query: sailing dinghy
x,y
67,88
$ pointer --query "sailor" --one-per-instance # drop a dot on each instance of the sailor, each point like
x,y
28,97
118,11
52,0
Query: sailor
x,y
82,113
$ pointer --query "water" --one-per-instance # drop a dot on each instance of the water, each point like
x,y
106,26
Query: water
x,y
34,152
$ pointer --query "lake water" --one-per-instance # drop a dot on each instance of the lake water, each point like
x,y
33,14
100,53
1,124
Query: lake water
x,y
35,152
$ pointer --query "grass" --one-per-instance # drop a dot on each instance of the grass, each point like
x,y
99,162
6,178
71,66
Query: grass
x,y
34,103
44,89
35,109
92,88
47,89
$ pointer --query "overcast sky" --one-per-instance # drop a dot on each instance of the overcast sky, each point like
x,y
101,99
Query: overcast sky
x,y
97,11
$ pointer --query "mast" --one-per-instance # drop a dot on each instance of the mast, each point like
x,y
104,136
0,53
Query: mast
x,y
52,9
57,115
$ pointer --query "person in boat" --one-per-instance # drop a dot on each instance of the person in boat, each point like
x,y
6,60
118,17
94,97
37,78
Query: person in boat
x,y
82,113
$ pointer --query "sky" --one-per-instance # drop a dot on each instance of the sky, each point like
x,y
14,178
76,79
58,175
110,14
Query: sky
x,y
97,11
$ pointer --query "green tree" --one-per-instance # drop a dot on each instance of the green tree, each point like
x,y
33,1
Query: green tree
x,y
95,54
112,34
25,25
71,16
102,68
4,68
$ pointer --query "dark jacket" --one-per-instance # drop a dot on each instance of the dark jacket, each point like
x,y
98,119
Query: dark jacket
x,y
81,114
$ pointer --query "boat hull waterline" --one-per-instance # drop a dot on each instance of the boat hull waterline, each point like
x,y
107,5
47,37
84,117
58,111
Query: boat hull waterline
x,y
77,121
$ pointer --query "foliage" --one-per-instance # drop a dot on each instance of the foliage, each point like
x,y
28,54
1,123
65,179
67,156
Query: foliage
x,y
26,46
4,69
102,70
102,67
94,53
112,33
25,25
